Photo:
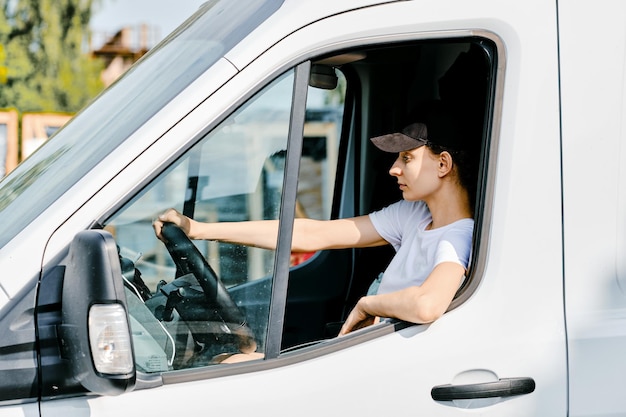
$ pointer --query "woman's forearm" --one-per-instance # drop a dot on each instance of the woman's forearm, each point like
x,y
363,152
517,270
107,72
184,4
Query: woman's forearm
x,y
260,234
308,235
416,304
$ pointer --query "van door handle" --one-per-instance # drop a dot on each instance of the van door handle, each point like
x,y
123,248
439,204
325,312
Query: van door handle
x,y
504,387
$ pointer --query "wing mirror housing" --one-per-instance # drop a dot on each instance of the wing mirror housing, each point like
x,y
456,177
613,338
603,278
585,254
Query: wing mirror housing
x,y
95,331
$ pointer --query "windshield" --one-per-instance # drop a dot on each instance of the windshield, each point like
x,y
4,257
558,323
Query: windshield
x,y
143,90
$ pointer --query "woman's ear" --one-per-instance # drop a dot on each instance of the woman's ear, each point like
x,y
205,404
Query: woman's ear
x,y
445,164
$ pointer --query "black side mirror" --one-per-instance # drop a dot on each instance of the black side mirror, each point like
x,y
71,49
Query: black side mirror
x,y
95,332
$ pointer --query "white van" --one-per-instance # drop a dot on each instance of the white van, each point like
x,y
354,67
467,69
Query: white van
x,y
262,110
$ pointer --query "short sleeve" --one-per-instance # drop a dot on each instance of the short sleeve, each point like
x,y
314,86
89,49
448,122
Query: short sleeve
x,y
392,221
455,245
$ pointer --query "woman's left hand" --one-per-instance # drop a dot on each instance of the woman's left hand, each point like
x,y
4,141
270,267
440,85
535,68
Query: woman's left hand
x,y
357,319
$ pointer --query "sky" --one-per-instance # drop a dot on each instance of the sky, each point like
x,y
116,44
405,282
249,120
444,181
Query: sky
x,y
162,16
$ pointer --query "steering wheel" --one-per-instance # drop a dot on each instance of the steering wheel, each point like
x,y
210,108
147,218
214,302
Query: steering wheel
x,y
189,260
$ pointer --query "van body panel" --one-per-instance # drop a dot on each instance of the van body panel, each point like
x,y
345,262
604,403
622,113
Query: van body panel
x,y
547,302
593,117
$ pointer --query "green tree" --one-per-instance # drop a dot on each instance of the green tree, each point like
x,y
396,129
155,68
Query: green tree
x,y
45,64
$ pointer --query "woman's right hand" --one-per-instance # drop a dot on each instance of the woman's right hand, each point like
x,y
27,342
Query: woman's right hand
x,y
171,216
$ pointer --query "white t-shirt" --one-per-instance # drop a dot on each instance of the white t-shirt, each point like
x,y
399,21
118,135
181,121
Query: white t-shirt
x,y
418,251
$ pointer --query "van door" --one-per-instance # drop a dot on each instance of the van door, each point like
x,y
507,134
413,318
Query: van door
x,y
594,185
505,330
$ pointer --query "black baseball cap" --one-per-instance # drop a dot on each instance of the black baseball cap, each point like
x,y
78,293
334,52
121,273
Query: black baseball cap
x,y
439,130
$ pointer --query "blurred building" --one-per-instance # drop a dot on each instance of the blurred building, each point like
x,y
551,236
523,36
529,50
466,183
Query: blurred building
x,y
122,49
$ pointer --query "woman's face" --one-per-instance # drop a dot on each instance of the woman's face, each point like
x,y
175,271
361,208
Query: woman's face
x,y
417,173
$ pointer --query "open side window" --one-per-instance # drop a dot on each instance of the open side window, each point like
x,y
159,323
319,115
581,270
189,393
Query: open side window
x,y
387,87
